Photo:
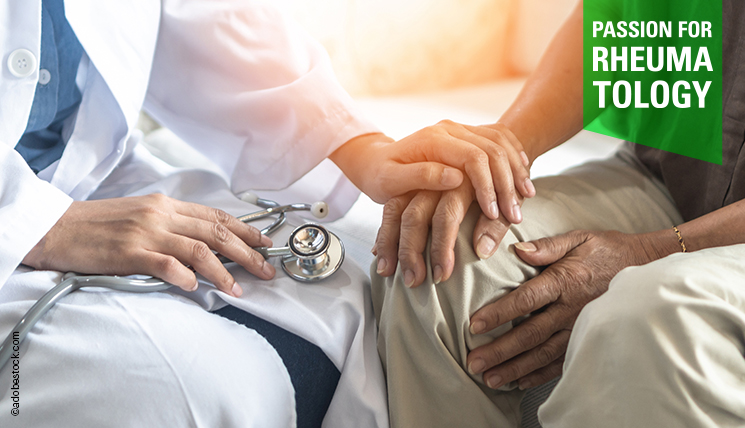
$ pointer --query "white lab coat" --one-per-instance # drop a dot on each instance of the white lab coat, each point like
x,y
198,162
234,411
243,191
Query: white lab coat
x,y
255,95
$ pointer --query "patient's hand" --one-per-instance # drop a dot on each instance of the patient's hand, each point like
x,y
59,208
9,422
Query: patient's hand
x,y
405,228
406,219
433,158
580,264
151,235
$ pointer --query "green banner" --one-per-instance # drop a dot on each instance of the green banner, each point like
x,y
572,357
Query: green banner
x,y
653,73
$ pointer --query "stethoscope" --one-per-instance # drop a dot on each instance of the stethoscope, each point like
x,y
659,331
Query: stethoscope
x,y
312,254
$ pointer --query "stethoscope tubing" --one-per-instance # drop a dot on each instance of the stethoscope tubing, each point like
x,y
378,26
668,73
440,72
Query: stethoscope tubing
x,y
72,282
67,286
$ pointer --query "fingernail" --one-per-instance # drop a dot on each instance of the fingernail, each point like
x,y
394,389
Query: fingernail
x,y
437,274
409,278
517,214
237,290
451,177
374,249
524,384
494,381
477,366
266,241
196,285
268,269
529,186
494,210
485,247
524,157
478,327
528,247
382,264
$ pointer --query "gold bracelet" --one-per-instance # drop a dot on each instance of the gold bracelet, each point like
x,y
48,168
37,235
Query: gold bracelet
x,y
680,239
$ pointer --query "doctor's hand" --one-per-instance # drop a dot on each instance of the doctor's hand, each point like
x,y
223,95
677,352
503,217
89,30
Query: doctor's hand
x,y
151,235
435,158
580,264
403,234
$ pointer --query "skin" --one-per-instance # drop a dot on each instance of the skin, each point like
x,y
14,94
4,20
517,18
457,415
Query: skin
x,y
546,113
173,240
578,265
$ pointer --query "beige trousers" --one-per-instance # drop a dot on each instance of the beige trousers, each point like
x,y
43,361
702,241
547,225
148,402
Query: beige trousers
x,y
657,364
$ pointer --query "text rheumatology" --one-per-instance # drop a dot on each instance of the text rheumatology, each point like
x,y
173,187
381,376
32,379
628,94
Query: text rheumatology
x,y
658,59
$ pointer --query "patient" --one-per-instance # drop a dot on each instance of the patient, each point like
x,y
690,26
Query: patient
x,y
644,321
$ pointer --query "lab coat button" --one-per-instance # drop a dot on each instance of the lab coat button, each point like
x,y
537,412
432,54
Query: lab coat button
x,y
44,76
21,63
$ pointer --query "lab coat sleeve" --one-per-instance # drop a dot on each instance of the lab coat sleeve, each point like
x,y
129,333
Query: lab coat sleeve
x,y
249,89
29,207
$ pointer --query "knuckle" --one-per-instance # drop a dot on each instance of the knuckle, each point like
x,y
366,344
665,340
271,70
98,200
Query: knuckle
x,y
221,233
545,355
255,258
447,214
149,211
200,251
497,152
157,198
528,335
428,174
255,233
167,266
393,208
495,355
434,131
414,217
524,300
221,217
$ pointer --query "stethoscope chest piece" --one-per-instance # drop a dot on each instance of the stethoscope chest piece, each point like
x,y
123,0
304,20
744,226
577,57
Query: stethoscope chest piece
x,y
316,253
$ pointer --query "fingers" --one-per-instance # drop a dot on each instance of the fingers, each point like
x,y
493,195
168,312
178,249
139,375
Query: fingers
x,y
247,233
197,230
530,296
448,216
527,335
199,256
488,234
415,222
167,268
222,240
402,178
546,251
507,168
542,356
515,152
447,149
386,244
542,375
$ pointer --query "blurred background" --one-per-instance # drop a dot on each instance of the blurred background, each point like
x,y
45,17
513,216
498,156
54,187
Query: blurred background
x,y
387,47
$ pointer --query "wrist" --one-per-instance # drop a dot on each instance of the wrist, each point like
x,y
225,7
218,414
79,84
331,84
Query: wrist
x,y
358,154
659,244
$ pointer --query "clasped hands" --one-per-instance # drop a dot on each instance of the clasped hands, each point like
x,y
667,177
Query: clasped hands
x,y
578,265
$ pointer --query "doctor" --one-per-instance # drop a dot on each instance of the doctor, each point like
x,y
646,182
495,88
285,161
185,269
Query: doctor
x,y
255,95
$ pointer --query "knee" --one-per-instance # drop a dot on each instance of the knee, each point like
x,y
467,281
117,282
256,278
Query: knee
x,y
656,295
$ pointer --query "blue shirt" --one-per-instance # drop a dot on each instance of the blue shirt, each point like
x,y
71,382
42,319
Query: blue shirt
x,y
42,143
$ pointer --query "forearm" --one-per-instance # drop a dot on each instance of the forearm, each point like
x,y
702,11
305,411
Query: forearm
x,y
548,110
